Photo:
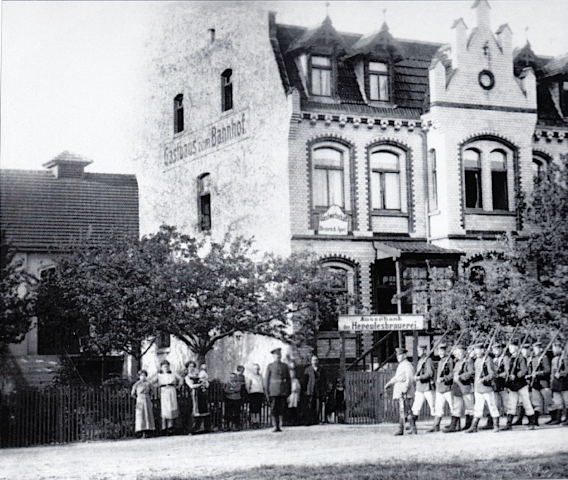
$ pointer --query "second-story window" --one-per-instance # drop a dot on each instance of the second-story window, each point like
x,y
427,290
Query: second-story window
x,y
178,113
227,90
472,167
499,189
385,180
378,81
433,178
204,201
328,177
321,76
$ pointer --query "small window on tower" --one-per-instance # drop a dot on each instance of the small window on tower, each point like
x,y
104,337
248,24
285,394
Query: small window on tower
x,y
227,90
178,113
204,202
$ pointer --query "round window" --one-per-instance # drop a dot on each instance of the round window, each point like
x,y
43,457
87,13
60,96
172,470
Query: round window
x,y
486,79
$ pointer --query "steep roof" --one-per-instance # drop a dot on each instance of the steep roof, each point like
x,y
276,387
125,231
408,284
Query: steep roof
x,y
41,212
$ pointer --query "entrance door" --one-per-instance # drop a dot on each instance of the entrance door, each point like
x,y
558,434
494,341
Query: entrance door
x,y
384,289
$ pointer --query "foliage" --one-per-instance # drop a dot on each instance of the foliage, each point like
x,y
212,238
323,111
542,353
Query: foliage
x,y
17,296
122,293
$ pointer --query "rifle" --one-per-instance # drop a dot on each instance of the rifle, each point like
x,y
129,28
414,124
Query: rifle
x,y
447,357
504,352
422,361
491,340
541,356
514,364
561,359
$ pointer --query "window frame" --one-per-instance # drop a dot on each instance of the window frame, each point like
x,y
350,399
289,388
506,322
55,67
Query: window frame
x,y
321,68
382,174
227,97
202,194
327,169
478,171
433,179
178,114
496,173
351,273
542,161
378,74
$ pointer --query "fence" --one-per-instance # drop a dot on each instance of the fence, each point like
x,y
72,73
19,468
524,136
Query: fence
x,y
78,413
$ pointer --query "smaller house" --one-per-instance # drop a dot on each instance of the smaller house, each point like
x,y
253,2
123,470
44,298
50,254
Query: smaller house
x,y
44,212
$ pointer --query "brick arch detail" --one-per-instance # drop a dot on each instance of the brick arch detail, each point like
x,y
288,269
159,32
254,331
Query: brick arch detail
x,y
516,169
353,184
473,258
543,153
348,261
410,190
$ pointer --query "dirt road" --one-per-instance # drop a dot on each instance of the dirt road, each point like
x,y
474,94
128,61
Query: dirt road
x,y
221,452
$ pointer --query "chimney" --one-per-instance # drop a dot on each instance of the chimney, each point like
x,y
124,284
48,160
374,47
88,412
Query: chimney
x,y
483,18
459,45
68,165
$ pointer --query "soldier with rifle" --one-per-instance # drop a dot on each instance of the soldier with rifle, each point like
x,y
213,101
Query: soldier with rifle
x,y
483,386
559,383
539,379
424,383
444,379
525,348
517,387
502,363
462,389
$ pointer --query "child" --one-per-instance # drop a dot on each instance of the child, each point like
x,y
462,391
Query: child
x,y
144,415
233,403
255,389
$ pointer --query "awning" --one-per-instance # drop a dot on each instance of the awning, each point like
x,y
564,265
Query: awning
x,y
396,248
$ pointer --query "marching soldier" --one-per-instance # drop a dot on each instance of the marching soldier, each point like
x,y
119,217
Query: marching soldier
x,y
518,388
424,383
483,389
462,390
559,384
444,378
403,387
539,384
520,408
502,363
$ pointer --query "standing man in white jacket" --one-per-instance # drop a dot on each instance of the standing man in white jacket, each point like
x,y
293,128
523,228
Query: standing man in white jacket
x,y
403,391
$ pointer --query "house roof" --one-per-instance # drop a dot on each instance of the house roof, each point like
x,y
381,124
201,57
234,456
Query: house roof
x,y
40,212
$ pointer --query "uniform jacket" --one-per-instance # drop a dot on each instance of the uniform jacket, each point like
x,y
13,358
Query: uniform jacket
x,y
314,382
425,375
519,369
277,381
501,369
444,375
403,381
464,373
541,371
559,384
484,375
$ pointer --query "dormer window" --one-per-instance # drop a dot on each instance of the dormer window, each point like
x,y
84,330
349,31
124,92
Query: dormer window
x,y
321,76
378,81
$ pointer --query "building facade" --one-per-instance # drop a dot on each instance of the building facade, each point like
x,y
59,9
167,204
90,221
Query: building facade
x,y
44,213
384,157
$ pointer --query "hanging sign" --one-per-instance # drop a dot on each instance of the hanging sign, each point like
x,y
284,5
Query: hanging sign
x,y
333,222
372,323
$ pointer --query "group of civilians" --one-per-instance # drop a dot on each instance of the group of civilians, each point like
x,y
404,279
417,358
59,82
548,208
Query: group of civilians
x,y
304,399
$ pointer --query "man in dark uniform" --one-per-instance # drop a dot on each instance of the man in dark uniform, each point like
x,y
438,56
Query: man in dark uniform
x,y
539,381
462,389
277,387
444,378
424,383
314,389
558,384
502,362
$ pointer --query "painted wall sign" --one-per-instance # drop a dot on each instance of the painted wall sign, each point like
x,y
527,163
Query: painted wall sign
x,y
211,138
333,222
371,323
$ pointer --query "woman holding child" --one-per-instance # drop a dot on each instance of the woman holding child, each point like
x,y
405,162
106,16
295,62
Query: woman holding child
x,y
198,382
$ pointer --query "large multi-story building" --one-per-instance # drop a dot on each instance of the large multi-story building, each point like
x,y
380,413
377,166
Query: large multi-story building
x,y
380,155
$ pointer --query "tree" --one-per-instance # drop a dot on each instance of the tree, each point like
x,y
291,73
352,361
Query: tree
x,y
125,292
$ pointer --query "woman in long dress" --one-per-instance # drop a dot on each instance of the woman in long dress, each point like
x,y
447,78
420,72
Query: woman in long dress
x,y
167,382
198,382
144,415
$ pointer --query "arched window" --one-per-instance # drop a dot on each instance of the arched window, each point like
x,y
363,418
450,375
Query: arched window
x,y
472,166
204,202
385,180
328,177
178,113
227,90
499,188
539,166
433,180
477,274
341,281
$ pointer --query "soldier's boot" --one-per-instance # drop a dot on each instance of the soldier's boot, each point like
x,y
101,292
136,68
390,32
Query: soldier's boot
x,y
554,417
276,424
521,412
474,426
452,428
532,421
495,424
509,425
536,417
469,420
436,426
489,424
413,419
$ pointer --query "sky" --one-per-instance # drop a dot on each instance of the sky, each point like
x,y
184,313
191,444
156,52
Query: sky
x,y
72,70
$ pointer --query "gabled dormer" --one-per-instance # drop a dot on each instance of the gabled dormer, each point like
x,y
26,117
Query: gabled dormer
x,y
373,57
317,56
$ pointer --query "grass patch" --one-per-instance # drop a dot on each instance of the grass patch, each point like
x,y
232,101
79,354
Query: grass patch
x,y
552,466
